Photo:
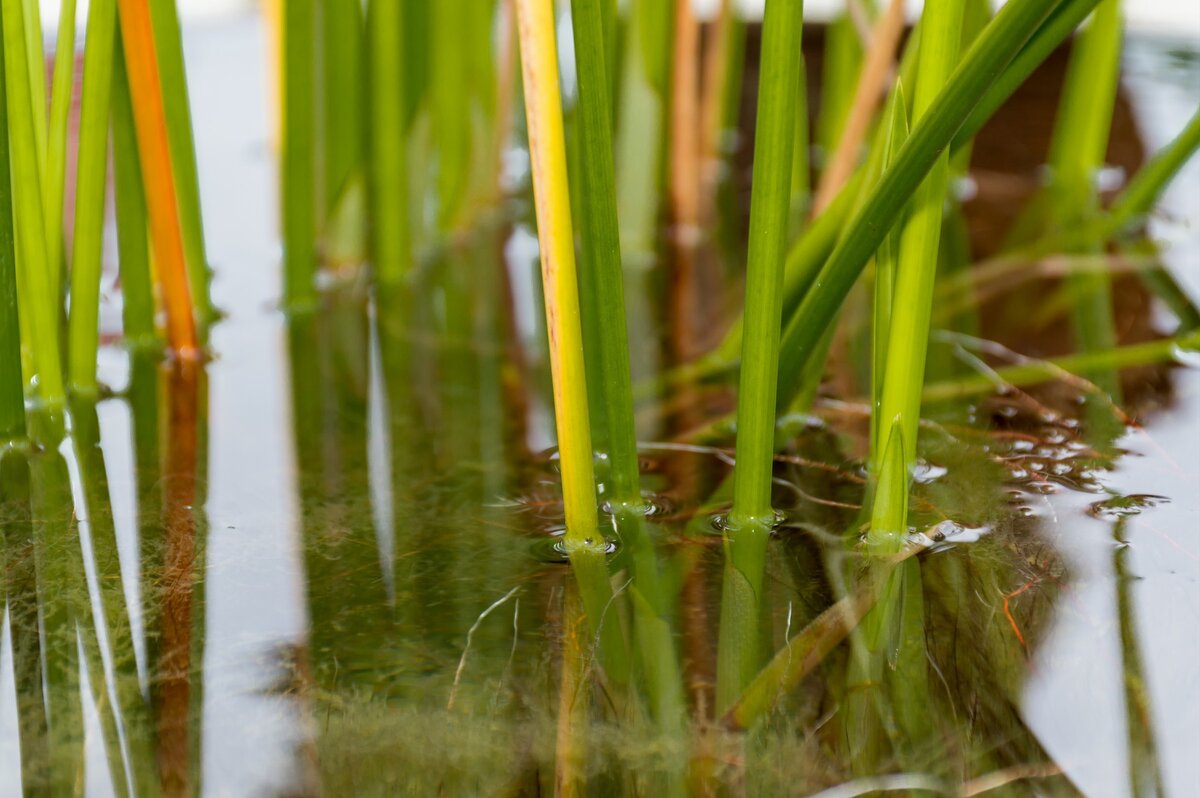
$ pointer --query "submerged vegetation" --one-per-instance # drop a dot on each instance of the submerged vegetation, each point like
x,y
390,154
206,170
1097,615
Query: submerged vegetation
x,y
786,421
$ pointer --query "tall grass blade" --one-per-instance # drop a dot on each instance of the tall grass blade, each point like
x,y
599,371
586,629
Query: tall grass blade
x,y
83,328
752,516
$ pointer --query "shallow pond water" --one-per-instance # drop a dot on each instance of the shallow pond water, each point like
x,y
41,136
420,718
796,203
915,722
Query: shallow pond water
x,y
320,564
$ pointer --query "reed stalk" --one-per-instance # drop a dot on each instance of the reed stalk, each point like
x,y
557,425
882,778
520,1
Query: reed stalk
x,y
83,326
640,123
12,391
1077,152
450,105
916,270
752,517
600,253
39,310
133,245
342,77
62,81
684,188
995,48
35,73
547,146
168,43
298,185
150,122
387,136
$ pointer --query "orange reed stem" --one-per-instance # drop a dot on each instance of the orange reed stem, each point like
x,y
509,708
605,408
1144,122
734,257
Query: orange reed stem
x,y
150,123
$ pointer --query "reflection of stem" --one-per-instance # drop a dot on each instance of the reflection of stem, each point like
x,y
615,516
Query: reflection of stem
x,y
1144,774
20,593
111,612
572,702
173,692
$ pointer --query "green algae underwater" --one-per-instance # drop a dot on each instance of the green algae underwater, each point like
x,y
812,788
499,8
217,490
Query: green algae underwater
x,y
592,399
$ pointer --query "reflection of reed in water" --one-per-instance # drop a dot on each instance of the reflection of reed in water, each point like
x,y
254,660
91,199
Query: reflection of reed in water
x,y
149,715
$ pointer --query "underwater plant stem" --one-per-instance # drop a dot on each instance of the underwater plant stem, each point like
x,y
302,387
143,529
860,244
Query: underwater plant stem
x,y
992,51
752,517
916,269
871,84
150,122
83,326
12,392
38,304
387,136
298,185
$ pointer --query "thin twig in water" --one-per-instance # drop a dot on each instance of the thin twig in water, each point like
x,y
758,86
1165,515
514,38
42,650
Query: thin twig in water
x,y
462,662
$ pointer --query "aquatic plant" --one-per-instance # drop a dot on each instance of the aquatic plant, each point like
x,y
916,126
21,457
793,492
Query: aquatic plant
x,y
404,168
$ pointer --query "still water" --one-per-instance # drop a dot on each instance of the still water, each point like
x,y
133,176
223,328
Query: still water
x,y
318,566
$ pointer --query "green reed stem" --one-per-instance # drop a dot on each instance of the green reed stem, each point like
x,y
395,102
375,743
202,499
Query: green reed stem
x,y
388,136
600,253
299,182
133,245
12,392
342,92
1077,152
752,516
920,239
641,123
774,140
996,46
886,268
451,111
172,73
83,327
34,72
56,155
601,249
37,298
